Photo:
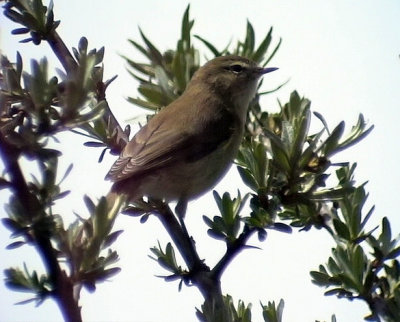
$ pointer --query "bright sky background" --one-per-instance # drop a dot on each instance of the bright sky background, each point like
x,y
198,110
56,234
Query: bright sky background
x,y
342,55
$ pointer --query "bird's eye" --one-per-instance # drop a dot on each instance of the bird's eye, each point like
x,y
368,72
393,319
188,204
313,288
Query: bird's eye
x,y
237,68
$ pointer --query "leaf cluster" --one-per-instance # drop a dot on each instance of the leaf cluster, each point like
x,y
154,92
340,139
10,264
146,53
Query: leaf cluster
x,y
229,312
75,102
37,19
83,243
35,107
354,272
24,281
165,76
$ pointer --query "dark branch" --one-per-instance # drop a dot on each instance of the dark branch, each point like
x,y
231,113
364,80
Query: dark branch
x,y
61,51
181,239
232,250
199,272
62,285
119,137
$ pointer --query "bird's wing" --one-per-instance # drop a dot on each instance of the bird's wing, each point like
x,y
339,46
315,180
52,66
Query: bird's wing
x,y
159,144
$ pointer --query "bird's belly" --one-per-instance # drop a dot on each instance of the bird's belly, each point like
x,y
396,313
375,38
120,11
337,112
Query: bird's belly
x,y
190,179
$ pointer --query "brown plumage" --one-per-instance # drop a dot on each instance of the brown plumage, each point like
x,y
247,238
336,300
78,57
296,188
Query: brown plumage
x,y
186,148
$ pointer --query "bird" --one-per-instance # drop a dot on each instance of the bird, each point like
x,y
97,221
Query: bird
x,y
187,147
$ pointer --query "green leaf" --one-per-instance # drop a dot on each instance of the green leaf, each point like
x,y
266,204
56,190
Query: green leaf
x,y
107,273
323,121
211,47
340,292
357,133
320,278
386,235
331,143
140,48
89,204
111,238
14,16
83,45
279,151
341,229
164,82
300,137
394,253
331,194
248,46
367,216
142,103
153,94
16,244
273,53
310,152
95,113
273,313
186,27
280,157
260,155
248,178
154,53
283,228
259,54
333,266
218,200
99,55
94,144
359,264
178,69
143,68
166,258
19,31
227,211
67,172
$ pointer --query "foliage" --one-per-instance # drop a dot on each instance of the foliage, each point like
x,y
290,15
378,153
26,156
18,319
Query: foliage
x,y
229,312
165,76
285,167
272,313
34,108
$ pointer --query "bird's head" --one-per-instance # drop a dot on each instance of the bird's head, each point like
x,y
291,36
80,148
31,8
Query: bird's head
x,y
231,76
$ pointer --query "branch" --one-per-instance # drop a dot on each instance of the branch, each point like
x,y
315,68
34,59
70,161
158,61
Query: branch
x,y
61,51
232,250
62,285
207,282
181,239
119,137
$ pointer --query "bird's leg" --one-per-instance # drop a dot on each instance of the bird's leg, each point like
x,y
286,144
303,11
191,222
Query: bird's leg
x,y
180,211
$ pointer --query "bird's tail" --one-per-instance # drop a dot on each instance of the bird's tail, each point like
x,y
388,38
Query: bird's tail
x,y
115,202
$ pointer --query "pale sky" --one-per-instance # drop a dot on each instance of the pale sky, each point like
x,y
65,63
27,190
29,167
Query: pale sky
x,y
343,55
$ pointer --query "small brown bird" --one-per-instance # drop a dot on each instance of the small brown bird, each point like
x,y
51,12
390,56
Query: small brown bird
x,y
184,150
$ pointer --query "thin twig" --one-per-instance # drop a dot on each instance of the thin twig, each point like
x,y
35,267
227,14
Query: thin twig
x,y
70,65
61,51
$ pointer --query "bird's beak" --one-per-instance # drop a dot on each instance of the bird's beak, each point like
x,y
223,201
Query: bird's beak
x,y
268,70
